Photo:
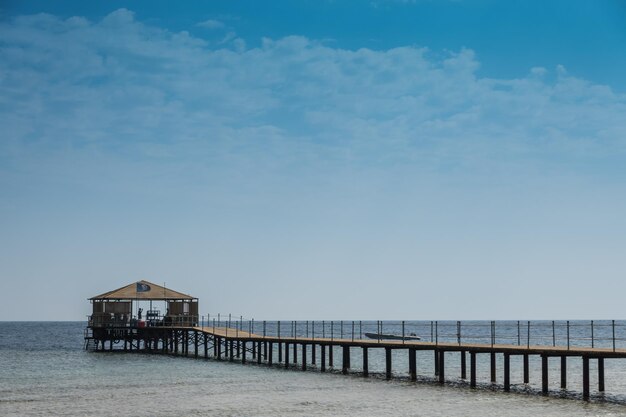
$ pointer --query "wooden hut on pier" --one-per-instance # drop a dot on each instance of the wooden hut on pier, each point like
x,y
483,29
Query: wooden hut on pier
x,y
121,307
133,313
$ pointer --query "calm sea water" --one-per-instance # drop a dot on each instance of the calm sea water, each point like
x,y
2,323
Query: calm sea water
x,y
45,371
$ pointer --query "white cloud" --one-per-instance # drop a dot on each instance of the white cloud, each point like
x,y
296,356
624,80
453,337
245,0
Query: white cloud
x,y
211,24
119,84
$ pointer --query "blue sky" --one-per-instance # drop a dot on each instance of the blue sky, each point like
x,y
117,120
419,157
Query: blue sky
x,y
311,160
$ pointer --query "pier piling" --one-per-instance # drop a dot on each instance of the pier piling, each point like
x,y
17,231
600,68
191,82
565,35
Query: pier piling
x,y
365,362
472,369
585,377
412,364
507,372
388,362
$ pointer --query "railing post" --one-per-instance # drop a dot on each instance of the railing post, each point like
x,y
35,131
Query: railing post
x,y
436,332
458,332
492,335
264,328
592,342
519,337
528,335
353,330
313,332
278,329
360,330
553,335
323,329
332,330
613,325
567,334
341,329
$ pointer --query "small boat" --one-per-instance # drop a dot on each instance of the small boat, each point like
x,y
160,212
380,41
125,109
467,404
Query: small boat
x,y
382,336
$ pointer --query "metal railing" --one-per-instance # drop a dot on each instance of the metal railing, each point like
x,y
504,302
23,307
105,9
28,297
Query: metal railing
x,y
607,334
131,321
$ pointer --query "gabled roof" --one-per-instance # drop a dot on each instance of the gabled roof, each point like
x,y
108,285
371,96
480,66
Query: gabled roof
x,y
143,290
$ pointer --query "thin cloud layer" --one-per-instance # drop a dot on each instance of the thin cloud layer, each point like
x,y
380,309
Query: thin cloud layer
x,y
134,90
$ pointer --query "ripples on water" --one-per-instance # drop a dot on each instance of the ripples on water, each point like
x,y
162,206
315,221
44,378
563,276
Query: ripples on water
x,y
44,371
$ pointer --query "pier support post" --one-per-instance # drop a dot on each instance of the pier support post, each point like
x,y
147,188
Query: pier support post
x,y
388,363
304,356
473,369
295,353
243,352
346,360
259,356
280,352
231,350
286,355
586,378
436,362
563,372
195,344
526,369
238,348
175,343
493,367
463,365
442,368
365,362
265,350
323,358
507,372
330,355
312,353
412,364
206,346
601,374
544,374
270,353
254,349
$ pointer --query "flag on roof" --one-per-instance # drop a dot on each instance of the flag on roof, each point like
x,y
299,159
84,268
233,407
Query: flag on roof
x,y
141,287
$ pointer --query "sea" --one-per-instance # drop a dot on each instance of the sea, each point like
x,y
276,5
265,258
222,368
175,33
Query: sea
x,y
45,371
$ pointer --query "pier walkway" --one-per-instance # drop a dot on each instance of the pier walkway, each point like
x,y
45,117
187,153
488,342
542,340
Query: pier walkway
x,y
228,343
171,325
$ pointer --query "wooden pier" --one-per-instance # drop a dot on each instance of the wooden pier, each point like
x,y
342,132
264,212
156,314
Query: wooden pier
x,y
182,335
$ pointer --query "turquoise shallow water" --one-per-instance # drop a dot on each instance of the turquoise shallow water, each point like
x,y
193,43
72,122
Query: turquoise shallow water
x,y
44,371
